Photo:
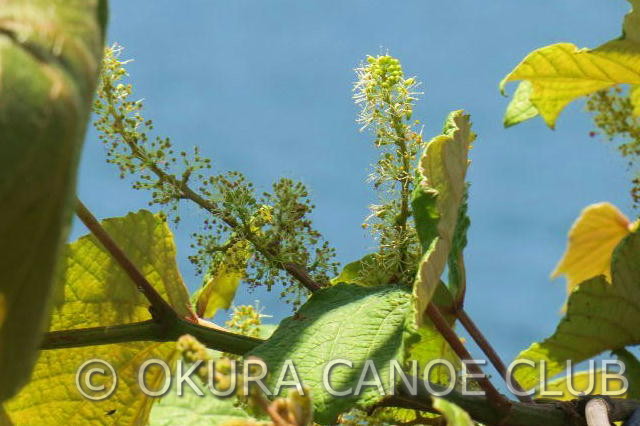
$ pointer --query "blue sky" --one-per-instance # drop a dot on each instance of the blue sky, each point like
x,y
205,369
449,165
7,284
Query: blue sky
x,y
264,87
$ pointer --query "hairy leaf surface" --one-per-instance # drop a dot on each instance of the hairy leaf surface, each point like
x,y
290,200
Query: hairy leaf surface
x,y
600,316
342,322
92,290
191,409
50,54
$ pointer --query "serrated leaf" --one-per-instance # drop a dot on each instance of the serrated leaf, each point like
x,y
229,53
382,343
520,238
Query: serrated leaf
x,y
631,371
520,108
190,409
50,54
592,239
92,290
436,203
454,415
342,322
220,289
600,317
560,73
582,383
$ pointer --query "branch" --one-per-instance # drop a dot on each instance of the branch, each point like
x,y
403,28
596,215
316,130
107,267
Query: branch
x,y
493,356
210,335
497,400
160,308
557,413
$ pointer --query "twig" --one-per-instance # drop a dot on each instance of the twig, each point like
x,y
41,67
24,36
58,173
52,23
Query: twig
x,y
496,398
214,338
160,308
493,356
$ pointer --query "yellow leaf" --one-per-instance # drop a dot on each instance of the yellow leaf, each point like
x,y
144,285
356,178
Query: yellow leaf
x,y
92,290
634,97
581,383
520,108
592,239
560,73
220,289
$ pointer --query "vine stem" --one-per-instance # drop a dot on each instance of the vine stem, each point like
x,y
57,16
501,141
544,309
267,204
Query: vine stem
x,y
160,308
495,398
490,352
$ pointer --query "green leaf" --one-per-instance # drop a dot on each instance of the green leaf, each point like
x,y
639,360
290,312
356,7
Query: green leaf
x,y
190,409
560,73
352,273
600,316
520,108
92,290
631,372
50,54
437,201
457,282
342,322
454,415
221,286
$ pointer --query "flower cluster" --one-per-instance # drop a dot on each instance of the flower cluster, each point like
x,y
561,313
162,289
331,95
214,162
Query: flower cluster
x,y
615,114
387,99
275,224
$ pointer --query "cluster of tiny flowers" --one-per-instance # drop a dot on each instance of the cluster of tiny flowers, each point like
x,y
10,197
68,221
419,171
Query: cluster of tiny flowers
x,y
613,115
381,90
275,224
153,163
246,320
386,99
